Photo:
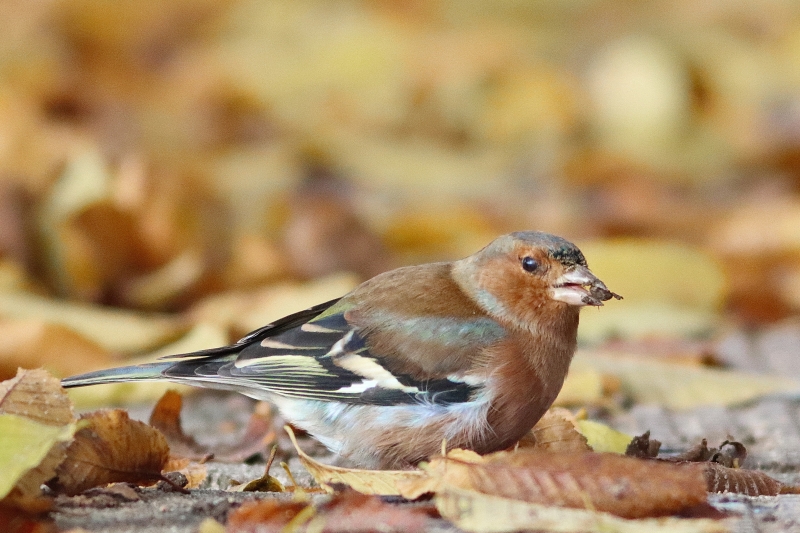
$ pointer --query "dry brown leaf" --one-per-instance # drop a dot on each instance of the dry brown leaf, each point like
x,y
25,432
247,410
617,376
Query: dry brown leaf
x,y
166,417
481,513
720,467
112,448
557,431
624,486
741,481
38,396
257,437
347,511
378,482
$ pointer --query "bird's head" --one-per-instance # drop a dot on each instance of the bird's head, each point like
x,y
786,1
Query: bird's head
x,y
521,275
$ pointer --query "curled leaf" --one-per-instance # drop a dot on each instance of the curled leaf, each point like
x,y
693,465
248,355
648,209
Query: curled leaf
x,y
111,448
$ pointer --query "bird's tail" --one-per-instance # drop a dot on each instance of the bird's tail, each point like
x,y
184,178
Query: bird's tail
x,y
147,372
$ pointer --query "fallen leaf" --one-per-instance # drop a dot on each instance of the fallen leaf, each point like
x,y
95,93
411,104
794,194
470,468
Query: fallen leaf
x,y
481,513
350,511
603,438
257,437
721,478
624,486
38,397
557,431
679,386
166,417
270,515
111,448
378,482
24,446
346,512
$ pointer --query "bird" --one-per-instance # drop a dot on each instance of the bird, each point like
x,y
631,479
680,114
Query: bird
x,y
469,353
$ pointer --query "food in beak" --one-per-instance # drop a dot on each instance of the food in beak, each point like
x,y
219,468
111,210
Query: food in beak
x,y
580,287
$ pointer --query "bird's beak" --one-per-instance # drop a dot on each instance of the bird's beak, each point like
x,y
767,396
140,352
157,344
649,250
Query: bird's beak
x,y
579,287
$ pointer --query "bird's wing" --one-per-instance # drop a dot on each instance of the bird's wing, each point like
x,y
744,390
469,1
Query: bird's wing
x,y
328,355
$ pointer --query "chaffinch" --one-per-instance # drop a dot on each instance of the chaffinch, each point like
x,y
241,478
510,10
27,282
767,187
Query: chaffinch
x,y
472,351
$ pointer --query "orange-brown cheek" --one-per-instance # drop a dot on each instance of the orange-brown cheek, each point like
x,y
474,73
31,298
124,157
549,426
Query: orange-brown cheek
x,y
523,295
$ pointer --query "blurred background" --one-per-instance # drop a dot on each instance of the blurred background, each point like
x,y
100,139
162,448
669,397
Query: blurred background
x,y
174,173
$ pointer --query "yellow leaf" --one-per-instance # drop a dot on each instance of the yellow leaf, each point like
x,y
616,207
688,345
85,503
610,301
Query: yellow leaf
x,y
603,438
24,445
38,397
378,482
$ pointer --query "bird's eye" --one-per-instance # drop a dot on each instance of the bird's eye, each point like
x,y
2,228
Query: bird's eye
x,y
529,264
